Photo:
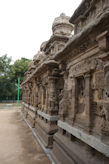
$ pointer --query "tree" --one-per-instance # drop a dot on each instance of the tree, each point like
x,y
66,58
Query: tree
x,y
18,69
9,74
5,86
4,65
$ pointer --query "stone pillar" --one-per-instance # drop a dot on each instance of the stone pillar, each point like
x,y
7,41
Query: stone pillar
x,y
23,96
53,106
39,95
29,93
43,97
74,100
36,95
46,102
88,99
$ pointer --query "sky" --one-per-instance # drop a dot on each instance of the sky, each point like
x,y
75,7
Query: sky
x,y
25,24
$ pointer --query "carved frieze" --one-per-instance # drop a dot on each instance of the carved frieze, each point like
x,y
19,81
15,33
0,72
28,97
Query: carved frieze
x,y
82,67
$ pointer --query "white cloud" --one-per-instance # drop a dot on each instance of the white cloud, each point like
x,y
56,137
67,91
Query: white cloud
x,y
25,24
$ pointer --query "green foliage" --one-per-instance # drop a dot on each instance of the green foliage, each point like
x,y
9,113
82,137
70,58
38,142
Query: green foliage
x,y
18,69
5,88
9,74
4,65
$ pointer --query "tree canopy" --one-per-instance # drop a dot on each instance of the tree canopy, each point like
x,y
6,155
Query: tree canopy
x,y
9,74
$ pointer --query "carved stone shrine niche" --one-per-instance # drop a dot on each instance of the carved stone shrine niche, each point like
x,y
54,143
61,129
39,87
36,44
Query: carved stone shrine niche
x,y
82,111
80,75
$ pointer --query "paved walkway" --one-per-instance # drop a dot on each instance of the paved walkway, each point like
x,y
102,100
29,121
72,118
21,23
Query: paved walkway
x,y
17,144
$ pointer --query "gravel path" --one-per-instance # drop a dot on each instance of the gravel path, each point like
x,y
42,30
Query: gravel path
x,y
17,144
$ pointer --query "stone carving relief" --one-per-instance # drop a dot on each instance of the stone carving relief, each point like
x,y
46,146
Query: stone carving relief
x,y
100,110
66,97
80,94
98,84
83,67
43,97
64,105
106,91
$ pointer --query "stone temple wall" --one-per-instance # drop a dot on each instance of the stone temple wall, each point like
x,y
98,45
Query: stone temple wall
x,y
66,91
